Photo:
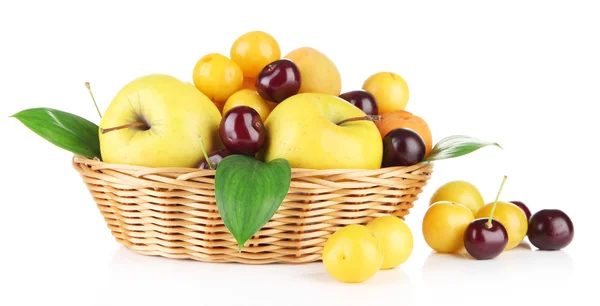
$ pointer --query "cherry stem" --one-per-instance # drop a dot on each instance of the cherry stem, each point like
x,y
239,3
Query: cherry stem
x,y
489,222
211,165
124,126
87,85
367,117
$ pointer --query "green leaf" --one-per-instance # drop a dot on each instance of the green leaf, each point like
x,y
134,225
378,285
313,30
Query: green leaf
x,y
65,130
454,146
249,192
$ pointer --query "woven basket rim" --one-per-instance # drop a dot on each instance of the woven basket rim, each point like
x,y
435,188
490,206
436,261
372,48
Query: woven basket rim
x,y
99,164
172,212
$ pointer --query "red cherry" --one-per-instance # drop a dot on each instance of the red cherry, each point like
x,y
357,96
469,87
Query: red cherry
x,y
484,241
363,100
278,80
242,131
215,158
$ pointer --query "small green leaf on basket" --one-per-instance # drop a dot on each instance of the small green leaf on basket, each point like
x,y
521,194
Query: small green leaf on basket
x,y
65,130
454,146
249,192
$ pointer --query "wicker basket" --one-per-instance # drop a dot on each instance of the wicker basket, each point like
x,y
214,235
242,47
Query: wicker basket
x,y
171,212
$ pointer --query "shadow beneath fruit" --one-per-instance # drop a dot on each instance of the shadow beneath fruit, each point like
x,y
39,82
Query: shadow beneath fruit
x,y
520,267
370,292
523,246
141,279
397,277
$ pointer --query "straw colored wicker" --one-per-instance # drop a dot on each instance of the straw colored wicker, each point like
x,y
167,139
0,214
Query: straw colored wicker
x,y
171,212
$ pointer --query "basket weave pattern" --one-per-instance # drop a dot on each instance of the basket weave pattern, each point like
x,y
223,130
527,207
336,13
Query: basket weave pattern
x,y
171,212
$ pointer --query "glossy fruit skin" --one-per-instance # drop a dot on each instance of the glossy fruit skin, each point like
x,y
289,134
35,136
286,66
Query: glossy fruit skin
x,y
249,98
253,50
459,191
303,131
242,131
352,254
278,81
524,208
550,230
176,138
404,119
249,83
217,77
402,147
389,89
319,72
214,157
363,100
395,237
511,216
444,226
483,242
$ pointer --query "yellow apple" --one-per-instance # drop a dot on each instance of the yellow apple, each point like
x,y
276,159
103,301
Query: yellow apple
x,y
304,130
157,121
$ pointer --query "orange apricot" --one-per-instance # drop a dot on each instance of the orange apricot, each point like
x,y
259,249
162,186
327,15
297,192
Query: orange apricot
x,y
249,83
403,119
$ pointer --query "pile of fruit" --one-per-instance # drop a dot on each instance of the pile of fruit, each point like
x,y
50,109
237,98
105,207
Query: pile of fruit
x,y
457,219
254,115
255,103
317,127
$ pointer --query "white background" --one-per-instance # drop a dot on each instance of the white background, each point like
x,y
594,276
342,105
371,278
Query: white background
x,y
525,74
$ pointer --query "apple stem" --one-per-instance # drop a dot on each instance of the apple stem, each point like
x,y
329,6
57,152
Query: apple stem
x,y
211,165
124,126
367,117
489,222
87,85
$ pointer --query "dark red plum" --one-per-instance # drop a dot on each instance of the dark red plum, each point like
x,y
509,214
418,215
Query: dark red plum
x,y
550,229
402,147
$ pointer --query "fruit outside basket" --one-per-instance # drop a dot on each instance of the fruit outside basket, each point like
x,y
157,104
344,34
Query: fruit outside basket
x,y
171,212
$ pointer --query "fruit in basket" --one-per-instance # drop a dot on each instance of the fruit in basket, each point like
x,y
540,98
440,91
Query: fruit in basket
x,y
249,98
486,238
511,216
249,83
459,191
352,254
278,81
310,131
444,226
156,121
254,50
524,208
395,237
363,100
212,160
402,147
217,76
403,119
319,73
550,229
242,131
389,89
